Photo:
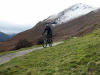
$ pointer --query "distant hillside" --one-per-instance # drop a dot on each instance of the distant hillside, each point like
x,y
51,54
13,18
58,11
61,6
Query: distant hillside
x,y
75,27
5,37
12,35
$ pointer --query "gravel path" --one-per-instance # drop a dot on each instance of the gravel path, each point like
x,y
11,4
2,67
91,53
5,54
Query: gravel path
x,y
8,57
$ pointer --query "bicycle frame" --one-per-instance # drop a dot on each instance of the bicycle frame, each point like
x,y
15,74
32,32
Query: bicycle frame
x,y
46,41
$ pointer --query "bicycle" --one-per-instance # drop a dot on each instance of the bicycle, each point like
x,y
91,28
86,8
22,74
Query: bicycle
x,y
46,41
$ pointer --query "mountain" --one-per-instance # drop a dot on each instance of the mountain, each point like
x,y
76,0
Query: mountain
x,y
12,35
3,37
75,27
70,13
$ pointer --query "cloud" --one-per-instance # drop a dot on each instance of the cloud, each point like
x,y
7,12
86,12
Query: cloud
x,y
32,11
13,28
18,15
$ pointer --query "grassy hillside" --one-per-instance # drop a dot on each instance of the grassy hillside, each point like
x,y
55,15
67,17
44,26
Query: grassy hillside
x,y
76,56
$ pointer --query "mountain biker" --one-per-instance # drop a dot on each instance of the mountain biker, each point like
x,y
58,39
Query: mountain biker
x,y
48,31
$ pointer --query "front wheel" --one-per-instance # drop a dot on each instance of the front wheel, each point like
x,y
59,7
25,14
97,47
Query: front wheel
x,y
44,43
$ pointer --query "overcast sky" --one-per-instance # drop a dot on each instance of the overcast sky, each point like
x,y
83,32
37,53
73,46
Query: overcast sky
x,y
24,12
19,15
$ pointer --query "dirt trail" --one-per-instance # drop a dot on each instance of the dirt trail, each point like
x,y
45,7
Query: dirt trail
x,y
8,57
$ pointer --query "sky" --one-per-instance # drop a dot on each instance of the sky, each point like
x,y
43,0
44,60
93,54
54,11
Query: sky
x,y
29,12
13,28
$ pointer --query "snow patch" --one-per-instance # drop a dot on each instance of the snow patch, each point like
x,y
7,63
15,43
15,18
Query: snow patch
x,y
70,13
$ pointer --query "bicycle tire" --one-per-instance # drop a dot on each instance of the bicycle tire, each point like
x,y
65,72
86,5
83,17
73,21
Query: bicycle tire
x,y
50,42
44,43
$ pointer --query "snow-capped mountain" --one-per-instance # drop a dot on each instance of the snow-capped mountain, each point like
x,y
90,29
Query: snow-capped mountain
x,y
70,13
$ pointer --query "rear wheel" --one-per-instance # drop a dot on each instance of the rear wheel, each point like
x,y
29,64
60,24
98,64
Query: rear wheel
x,y
50,42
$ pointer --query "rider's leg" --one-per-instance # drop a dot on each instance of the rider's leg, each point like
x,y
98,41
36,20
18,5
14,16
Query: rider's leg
x,y
50,40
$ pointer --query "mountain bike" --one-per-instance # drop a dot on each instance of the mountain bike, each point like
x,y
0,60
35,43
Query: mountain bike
x,y
47,41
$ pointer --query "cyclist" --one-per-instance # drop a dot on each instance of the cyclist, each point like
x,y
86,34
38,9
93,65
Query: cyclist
x,y
48,32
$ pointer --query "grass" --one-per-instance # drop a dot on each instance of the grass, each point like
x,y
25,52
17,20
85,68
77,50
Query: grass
x,y
76,56
7,52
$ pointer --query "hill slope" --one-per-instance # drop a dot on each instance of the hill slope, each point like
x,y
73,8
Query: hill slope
x,y
76,56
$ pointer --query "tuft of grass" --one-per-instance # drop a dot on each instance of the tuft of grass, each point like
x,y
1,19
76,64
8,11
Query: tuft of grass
x,y
76,56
